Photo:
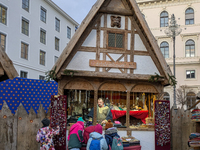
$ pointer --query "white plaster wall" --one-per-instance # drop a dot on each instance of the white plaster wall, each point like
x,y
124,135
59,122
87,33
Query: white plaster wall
x,y
90,41
122,21
129,41
145,65
102,21
14,37
81,61
147,139
114,57
129,23
138,44
101,39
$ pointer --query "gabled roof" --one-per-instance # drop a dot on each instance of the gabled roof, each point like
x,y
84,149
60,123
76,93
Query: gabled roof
x,y
60,64
7,70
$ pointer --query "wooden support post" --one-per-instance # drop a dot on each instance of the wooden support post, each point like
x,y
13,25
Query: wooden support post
x,y
132,44
128,112
128,109
1,70
95,107
105,39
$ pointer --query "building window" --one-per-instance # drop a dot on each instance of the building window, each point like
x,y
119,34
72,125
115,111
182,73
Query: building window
x,y
57,23
189,48
24,50
166,96
164,47
190,74
3,14
23,74
189,16
25,26
55,59
25,5
164,19
42,58
191,99
41,77
42,36
57,43
115,40
68,32
43,14
3,41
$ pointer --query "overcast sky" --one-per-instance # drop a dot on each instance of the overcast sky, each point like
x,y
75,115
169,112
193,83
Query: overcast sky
x,y
77,9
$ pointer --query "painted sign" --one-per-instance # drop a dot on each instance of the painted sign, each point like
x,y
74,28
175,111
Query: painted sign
x,y
112,64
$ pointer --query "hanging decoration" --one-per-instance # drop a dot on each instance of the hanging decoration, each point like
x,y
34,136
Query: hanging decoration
x,y
79,97
58,118
162,125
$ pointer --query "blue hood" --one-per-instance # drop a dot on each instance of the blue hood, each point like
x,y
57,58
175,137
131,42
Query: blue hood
x,y
96,135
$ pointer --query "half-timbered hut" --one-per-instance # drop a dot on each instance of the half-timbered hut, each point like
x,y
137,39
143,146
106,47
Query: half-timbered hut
x,y
113,54
7,69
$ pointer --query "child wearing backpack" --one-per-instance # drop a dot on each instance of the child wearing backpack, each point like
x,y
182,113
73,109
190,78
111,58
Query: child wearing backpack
x,y
112,137
75,136
96,141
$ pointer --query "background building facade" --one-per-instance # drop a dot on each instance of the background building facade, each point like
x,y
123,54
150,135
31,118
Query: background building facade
x,y
157,14
33,33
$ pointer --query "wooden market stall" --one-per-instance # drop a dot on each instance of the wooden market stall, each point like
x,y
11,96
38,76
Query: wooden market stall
x,y
7,69
113,55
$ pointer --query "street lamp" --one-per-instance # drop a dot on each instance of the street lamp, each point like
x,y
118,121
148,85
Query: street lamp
x,y
172,31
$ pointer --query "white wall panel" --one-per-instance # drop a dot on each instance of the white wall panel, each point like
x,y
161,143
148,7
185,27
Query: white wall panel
x,y
81,61
129,24
115,70
138,44
145,65
90,41
114,57
129,41
101,39
102,21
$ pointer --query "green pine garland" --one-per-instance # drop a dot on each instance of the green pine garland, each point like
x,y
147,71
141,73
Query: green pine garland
x,y
155,78
51,75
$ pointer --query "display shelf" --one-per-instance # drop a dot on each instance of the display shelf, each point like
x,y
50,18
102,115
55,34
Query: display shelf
x,y
196,120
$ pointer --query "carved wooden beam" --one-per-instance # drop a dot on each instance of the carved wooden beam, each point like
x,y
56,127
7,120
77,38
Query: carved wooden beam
x,y
112,64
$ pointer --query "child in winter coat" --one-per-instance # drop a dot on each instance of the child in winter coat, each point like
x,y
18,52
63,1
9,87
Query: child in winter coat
x,y
90,129
110,132
75,136
100,142
45,135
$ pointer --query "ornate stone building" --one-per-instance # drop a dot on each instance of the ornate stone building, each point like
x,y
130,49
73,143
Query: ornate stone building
x,y
157,14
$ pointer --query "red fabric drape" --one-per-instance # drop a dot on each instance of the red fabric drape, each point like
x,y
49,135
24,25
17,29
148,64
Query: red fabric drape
x,y
58,118
142,115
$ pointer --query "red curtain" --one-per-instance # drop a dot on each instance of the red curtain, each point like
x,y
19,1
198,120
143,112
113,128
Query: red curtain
x,y
58,118
137,114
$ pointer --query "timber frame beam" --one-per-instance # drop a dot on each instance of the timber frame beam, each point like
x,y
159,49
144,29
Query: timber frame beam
x,y
112,75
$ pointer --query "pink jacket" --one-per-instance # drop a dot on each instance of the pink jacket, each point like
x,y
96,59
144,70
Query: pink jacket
x,y
75,128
